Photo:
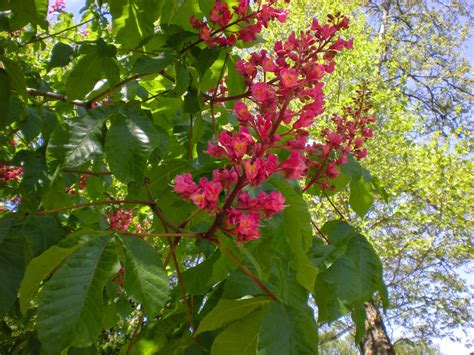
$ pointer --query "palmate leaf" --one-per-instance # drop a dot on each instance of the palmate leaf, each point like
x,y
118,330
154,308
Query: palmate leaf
x,y
71,304
146,280
351,280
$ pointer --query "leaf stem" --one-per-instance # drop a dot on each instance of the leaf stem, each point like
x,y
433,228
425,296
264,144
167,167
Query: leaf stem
x,y
236,260
334,206
96,203
87,172
174,235
135,332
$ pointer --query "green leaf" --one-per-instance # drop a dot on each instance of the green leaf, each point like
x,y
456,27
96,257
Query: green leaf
x,y
235,81
145,278
61,55
362,197
353,169
358,317
75,143
350,281
240,338
31,125
98,64
29,11
287,330
130,140
296,231
42,232
199,279
4,93
227,311
17,78
183,79
71,304
152,65
12,263
133,20
84,75
39,269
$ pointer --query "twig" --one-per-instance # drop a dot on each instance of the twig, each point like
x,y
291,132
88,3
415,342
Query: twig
x,y
334,206
36,39
167,235
86,172
56,96
97,203
189,311
236,260
135,333
320,233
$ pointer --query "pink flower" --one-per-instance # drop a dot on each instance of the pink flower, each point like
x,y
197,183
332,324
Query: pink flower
x,y
220,14
294,167
246,225
58,6
251,169
262,92
242,112
120,220
289,77
271,204
184,185
242,8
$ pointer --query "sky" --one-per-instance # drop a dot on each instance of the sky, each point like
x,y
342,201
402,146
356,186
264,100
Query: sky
x,y
446,346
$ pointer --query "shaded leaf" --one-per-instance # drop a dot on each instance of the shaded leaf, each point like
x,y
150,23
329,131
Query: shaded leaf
x,y
145,278
71,304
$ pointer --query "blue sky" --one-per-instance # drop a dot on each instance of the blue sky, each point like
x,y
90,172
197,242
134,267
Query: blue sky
x,y
446,346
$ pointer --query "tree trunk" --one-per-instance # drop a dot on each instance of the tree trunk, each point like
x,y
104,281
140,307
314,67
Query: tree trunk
x,y
376,341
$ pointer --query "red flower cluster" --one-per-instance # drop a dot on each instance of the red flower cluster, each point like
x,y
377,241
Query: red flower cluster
x,y
10,173
58,6
284,98
218,32
120,220
349,136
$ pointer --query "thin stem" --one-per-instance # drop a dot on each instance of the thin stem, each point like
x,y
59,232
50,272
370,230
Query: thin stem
x,y
320,233
189,311
190,138
116,86
135,333
236,260
56,96
87,172
217,31
174,235
220,217
334,206
36,39
96,203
